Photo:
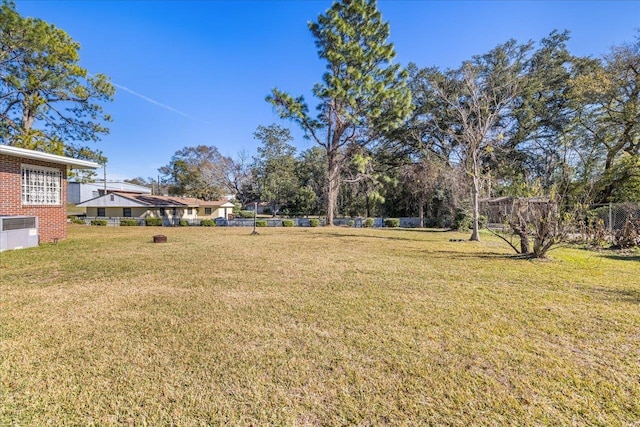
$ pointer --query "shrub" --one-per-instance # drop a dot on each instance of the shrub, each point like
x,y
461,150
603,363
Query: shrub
x,y
208,223
629,236
392,222
462,220
153,222
77,221
352,223
314,222
261,223
245,214
483,220
184,223
128,223
99,222
368,223
287,223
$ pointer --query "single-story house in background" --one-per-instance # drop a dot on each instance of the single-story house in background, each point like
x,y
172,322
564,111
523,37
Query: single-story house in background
x,y
78,192
169,208
34,184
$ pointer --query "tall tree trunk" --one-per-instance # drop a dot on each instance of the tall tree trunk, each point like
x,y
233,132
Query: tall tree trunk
x,y
475,235
421,212
366,207
333,184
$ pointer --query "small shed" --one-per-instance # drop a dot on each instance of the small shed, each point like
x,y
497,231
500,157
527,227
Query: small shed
x,y
499,210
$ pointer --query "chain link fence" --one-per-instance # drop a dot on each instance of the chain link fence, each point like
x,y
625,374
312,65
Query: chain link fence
x,y
617,223
613,223
613,216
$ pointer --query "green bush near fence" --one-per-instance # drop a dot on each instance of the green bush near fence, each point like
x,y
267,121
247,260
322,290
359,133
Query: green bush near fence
x,y
368,223
352,223
77,221
128,223
392,222
99,222
261,223
184,223
314,222
288,223
244,214
208,223
153,222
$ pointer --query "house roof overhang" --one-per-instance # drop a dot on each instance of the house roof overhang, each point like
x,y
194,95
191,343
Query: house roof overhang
x,y
53,158
216,203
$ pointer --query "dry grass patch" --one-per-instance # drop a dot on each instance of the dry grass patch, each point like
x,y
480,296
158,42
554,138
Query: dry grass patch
x,y
311,326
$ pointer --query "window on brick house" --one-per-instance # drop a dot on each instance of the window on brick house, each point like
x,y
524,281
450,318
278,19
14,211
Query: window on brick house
x,y
101,212
126,212
207,211
41,186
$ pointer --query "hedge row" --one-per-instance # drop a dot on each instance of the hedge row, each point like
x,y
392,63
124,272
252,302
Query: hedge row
x,y
157,222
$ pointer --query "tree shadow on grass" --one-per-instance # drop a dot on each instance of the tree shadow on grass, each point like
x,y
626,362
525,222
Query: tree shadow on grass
x,y
385,236
426,230
631,296
469,255
623,257
440,253
369,236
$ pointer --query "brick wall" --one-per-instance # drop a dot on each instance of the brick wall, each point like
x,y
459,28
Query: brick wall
x,y
52,220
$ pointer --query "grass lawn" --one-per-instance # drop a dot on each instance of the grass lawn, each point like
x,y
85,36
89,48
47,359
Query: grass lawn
x,y
313,326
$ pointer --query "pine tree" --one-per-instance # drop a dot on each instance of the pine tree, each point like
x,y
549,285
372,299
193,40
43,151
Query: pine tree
x,y
362,92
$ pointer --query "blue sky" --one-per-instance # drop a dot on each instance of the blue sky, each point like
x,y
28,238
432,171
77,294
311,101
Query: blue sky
x,y
197,72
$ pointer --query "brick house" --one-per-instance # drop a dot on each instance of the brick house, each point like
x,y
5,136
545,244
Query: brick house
x,y
33,183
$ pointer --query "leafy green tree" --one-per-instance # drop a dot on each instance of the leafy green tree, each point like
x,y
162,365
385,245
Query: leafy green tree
x,y
362,93
48,102
425,130
145,182
197,172
305,201
275,166
621,181
424,152
365,182
420,179
312,173
539,147
610,121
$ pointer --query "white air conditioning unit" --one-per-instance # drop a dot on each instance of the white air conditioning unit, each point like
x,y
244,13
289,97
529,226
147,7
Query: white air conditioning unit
x,y
17,232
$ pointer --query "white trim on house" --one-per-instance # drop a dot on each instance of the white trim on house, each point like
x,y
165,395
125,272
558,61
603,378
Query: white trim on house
x,y
53,158
118,201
